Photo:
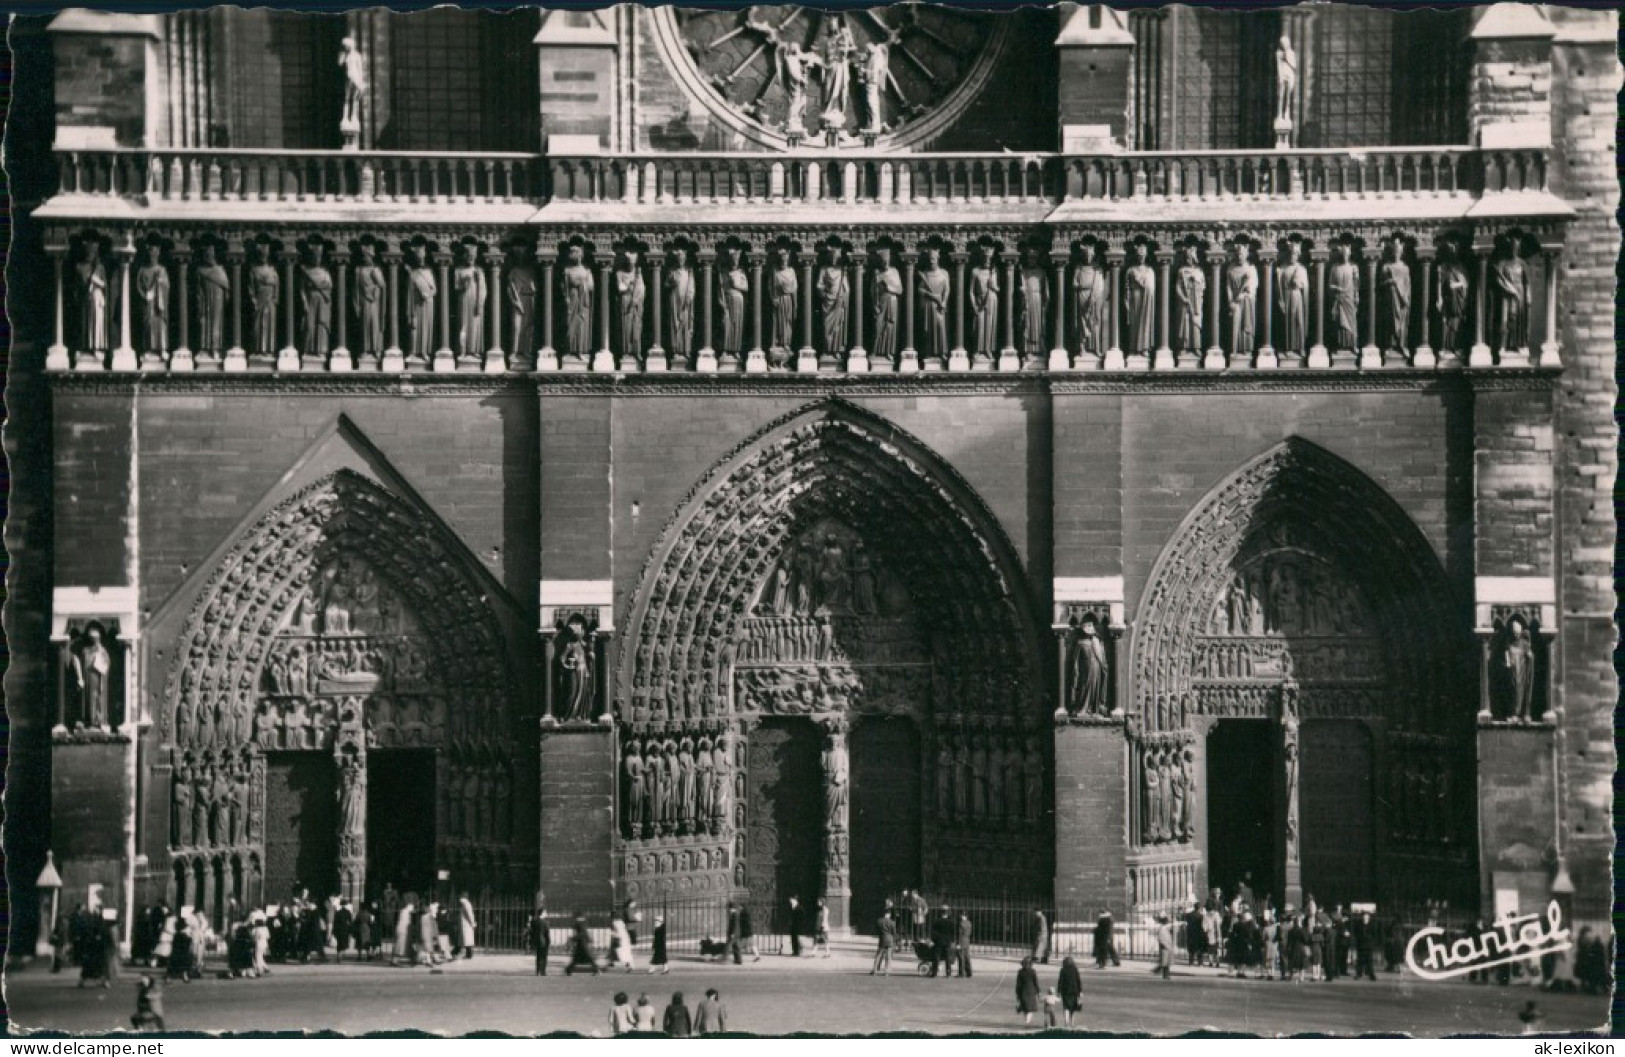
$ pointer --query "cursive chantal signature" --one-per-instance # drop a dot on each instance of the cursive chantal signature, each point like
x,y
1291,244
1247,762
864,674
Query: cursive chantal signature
x,y
1512,940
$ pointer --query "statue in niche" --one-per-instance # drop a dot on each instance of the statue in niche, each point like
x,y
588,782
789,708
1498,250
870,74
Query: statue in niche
x,y
1139,302
1241,297
352,798
863,580
1091,297
1518,666
316,296
835,50
1034,774
1090,671
888,289
421,291
1292,290
630,293
837,774
1151,781
1394,297
994,778
468,289
984,305
213,289
963,779
704,784
1509,279
1034,291
785,287
1190,289
1174,779
945,779
686,790
519,286
834,292
1286,79
1345,308
152,294
579,287
1454,287
264,293
368,301
874,74
181,806
731,295
95,298
354,65
933,285
722,779
92,678
575,700
636,790
680,306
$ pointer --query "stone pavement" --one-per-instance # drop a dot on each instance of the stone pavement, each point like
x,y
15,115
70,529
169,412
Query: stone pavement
x,y
781,995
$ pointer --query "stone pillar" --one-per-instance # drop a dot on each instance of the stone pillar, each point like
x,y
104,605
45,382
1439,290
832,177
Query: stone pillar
x,y
495,360
1008,360
1059,358
807,356
56,357
181,358
1480,356
655,356
124,352
706,362
236,356
444,360
908,358
394,359
1091,817
1318,354
1549,357
1289,856
548,358
340,359
958,358
1163,356
579,769
756,357
1214,359
1266,350
857,358
1423,294
603,360
1095,51
837,766
1114,349
287,358
1370,353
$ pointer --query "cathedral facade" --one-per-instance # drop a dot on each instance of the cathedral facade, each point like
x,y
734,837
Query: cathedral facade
x,y
1069,456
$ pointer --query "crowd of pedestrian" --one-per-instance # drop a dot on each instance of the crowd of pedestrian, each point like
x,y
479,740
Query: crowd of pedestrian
x,y
709,1017
1311,943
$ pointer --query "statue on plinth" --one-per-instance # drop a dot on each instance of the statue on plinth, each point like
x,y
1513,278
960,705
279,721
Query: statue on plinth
x,y
888,289
468,288
1454,289
933,285
1292,282
421,291
833,292
1139,302
152,294
1345,308
1190,289
579,286
1394,297
92,673
354,65
680,306
1091,296
264,293
1241,296
369,299
213,291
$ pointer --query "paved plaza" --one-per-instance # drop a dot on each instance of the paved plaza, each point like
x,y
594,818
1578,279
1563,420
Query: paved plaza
x,y
781,996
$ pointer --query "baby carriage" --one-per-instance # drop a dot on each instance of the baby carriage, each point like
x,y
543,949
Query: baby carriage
x,y
923,955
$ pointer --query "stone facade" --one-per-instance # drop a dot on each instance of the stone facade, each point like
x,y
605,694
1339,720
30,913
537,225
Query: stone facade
x,y
666,599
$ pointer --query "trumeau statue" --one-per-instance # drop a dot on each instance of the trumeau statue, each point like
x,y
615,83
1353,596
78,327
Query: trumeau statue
x,y
95,300
1394,297
1344,284
1139,302
1190,288
933,286
264,292
316,294
1091,296
152,294
421,290
519,287
680,306
1241,295
984,304
468,288
369,300
734,286
213,290
833,293
579,286
1292,280
888,289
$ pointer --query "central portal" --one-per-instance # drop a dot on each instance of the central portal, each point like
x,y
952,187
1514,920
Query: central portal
x,y
785,809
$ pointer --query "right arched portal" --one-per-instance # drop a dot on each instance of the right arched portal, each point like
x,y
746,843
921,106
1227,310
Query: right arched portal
x,y
1298,603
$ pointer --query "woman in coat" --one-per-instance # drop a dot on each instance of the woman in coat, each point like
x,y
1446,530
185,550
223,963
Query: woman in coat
x,y
1071,987
465,926
1297,949
620,945
1027,990
1165,947
259,938
679,1022
1040,937
657,962
403,933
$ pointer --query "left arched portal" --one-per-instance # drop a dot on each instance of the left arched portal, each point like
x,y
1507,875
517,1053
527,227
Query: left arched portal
x,y
341,653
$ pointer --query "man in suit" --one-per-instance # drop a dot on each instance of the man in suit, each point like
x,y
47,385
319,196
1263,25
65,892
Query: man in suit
x,y
942,942
962,944
712,1016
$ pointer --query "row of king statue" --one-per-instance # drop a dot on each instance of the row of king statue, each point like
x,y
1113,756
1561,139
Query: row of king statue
x,y
786,308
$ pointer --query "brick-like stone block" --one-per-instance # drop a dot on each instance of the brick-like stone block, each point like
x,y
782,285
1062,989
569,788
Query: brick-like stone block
x,y
577,797
1091,820
90,811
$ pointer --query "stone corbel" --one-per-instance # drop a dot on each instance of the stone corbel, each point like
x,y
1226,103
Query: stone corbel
x,y
1499,600
113,610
